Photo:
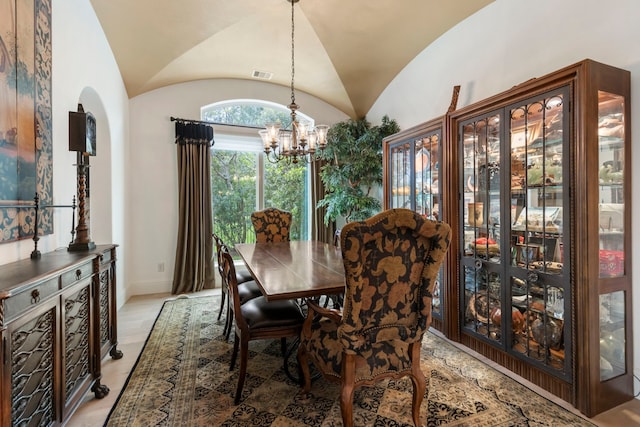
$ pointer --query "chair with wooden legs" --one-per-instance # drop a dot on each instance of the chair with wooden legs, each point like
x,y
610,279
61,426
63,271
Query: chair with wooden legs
x,y
391,261
257,319
247,287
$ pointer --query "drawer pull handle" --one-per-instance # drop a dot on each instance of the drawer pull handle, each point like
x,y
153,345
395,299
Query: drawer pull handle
x,y
78,274
35,296
101,258
532,277
477,264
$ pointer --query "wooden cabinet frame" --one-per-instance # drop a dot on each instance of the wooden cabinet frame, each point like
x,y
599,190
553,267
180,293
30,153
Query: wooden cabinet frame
x,y
57,321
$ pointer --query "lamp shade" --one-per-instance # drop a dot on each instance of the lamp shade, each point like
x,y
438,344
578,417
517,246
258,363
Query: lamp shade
x,y
82,131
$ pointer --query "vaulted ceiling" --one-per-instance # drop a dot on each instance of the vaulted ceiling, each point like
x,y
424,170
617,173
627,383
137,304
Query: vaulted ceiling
x,y
346,51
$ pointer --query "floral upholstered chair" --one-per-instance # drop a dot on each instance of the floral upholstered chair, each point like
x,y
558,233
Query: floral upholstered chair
x,y
271,225
391,261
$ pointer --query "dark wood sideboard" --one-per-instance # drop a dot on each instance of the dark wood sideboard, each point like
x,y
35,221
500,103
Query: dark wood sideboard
x,y
57,323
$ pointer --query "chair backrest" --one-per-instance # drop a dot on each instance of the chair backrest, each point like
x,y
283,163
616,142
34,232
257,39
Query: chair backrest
x,y
271,225
219,243
336,238
391,261
229,279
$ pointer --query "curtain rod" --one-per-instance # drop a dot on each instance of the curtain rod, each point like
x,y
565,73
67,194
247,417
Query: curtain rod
x,y
176,119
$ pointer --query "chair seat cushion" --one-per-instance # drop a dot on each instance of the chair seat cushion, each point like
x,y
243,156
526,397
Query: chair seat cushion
x,y
248,290
260,313
325,348
243,275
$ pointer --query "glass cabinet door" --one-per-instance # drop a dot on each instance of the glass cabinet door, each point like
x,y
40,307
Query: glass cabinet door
x,y
611,206
481,221
427,194
515,288
413,176
400,177
539,293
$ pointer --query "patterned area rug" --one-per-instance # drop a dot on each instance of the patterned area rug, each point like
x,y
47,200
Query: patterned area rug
x,y
182,378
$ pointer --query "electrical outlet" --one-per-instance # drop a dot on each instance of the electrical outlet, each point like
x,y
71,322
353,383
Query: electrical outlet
x,y
161,267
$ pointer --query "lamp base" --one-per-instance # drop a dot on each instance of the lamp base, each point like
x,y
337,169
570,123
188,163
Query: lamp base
x,y
81,246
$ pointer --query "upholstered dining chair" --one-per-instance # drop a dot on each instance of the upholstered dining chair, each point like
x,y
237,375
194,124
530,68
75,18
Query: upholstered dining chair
x,y
257,319
247,287
391,261
336,238
271,225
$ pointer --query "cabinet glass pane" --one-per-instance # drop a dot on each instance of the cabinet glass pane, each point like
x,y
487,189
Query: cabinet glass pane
x,y
612,333
483,313
537,184
538,320
611,189
400,176
427,167
481,179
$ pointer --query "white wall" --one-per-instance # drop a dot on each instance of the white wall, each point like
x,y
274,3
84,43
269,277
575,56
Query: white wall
x,y
509,42
152,185
84,70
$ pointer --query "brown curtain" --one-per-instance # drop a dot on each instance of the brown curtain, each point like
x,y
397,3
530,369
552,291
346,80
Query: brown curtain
x,y
319,230
194,268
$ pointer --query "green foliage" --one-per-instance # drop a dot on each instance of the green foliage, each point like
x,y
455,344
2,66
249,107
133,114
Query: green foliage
x,y
246,115
233,193
354,153
284,188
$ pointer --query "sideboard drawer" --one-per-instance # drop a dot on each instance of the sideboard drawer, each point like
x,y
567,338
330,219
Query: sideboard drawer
x,y
31,297
105,258
78,273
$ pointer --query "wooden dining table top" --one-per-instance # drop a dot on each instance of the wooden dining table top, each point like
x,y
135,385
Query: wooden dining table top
x,y
297,269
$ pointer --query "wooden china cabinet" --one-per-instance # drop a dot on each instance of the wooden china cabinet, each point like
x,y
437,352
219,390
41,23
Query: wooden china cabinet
x,y
538,277
411,169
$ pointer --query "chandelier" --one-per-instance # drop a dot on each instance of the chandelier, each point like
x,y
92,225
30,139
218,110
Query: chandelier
x,y
299,141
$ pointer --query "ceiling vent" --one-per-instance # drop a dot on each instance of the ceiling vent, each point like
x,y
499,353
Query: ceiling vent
x,y
263,75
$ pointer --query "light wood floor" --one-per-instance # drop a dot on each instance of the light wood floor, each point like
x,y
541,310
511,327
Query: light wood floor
x,y
136,318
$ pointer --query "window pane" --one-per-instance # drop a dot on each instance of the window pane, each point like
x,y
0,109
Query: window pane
x,y
285,187
233,194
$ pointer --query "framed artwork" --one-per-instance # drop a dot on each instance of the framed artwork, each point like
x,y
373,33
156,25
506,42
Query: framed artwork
x,y
25,117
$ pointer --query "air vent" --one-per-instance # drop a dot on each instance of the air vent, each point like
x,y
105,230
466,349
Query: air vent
x,y
264,75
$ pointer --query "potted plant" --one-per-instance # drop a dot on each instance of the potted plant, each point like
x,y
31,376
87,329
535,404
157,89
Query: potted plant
x,y
353,168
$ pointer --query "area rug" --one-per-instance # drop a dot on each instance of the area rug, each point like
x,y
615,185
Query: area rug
x,y
182,378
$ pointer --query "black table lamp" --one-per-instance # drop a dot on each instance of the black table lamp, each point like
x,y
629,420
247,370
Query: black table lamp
x,y
82,140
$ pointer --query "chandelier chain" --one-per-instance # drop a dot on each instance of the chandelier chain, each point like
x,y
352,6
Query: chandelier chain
x,y
293,69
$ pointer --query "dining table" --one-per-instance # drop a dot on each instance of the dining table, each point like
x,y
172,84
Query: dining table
x,y
299,269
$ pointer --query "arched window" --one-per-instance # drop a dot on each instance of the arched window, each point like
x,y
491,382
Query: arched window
x,y
249,113
242,180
